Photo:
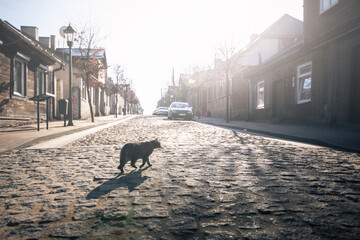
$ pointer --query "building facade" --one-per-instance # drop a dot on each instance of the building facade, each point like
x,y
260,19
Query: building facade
x,y
211,90
27,70
99,97
317,79
277,38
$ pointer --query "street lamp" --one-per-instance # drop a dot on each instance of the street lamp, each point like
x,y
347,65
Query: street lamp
x,y
69,33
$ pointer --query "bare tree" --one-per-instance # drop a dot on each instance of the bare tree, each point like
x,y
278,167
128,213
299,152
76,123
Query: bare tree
x,y
119,79
226,52
91,66
194,68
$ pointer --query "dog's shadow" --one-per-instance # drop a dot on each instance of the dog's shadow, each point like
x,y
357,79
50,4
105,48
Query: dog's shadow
x,y
130,180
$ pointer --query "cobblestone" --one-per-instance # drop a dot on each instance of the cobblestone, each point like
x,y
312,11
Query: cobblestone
x,y
205,183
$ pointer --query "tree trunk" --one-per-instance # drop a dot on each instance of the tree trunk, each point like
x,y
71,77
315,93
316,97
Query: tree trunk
x,y
89,98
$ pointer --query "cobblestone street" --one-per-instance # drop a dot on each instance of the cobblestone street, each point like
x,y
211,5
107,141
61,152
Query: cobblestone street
x,y
205,183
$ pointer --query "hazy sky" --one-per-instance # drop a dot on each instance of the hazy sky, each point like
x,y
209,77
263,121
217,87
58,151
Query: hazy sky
x,y
150,37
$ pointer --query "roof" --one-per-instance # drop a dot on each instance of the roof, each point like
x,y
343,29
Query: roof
x,y
287,26
287,55
284,27
10,35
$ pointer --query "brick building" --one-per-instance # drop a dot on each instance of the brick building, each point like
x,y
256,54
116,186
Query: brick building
x,y
26,71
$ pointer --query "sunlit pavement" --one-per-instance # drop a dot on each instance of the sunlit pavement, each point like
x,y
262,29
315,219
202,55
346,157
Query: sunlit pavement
x,y
205,183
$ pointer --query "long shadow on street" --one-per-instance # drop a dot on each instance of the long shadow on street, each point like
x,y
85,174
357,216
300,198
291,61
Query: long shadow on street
x,y
131,181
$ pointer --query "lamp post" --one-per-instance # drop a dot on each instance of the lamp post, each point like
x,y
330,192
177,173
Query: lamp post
x,y
69,33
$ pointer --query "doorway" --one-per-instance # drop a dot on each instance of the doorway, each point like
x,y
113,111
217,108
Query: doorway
x,y
277,100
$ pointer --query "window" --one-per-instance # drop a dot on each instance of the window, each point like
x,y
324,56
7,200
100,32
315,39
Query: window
x,y
260,95
40,82
20,75
83,90
327,4
304,83
49,83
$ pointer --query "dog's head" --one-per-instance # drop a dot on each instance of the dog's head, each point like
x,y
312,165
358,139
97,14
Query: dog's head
x,y
156,143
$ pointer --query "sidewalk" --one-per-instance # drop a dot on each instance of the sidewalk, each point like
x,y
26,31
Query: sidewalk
x,y
27,135
345,138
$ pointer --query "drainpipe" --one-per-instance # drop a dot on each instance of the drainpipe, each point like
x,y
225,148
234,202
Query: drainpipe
x,y
53,83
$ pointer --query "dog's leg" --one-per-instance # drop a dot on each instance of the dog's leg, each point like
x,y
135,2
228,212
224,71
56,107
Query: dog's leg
x,y
121,166
148,161
133,162
143,163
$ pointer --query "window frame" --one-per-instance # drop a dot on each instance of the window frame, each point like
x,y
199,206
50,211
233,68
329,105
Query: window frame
x,y
24,61
303,76
258,104
42,71
332,3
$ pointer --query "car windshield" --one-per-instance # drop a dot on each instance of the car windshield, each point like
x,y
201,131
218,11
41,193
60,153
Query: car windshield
x,y
162,108
179,105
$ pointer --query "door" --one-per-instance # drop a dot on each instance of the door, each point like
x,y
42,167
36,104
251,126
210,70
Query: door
x,y
277,99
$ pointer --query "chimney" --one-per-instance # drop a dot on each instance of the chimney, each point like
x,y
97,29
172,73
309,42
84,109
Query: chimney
x,y
32,31
45,41
53,42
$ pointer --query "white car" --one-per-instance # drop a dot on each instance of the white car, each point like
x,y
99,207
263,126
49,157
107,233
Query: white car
x,y
162,111
180,110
